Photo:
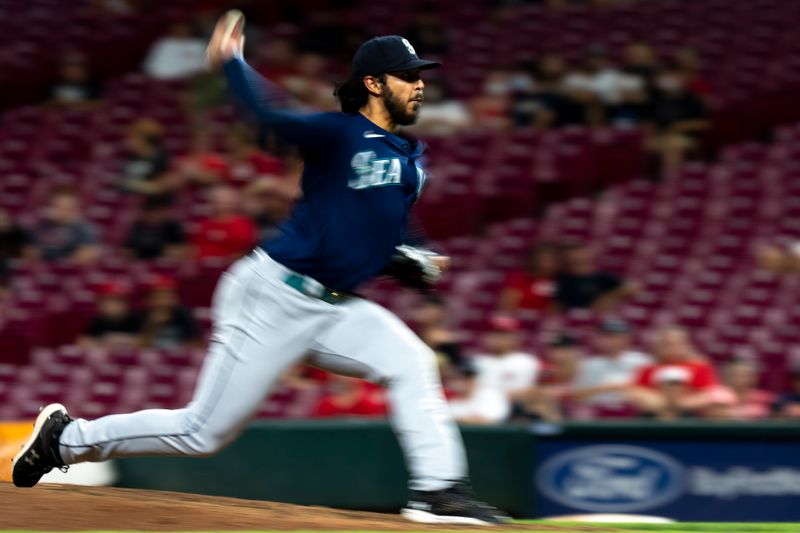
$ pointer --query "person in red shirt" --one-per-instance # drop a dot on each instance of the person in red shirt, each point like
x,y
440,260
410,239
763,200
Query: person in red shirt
x,y
202,166
681,382
534,286
245,160
689,62
280,59
225,233
351,397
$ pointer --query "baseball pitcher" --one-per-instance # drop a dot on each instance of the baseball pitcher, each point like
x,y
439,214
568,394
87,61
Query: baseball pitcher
x,y
293,295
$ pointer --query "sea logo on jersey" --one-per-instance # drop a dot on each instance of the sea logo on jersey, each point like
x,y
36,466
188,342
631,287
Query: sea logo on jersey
x,y
409,47
373,172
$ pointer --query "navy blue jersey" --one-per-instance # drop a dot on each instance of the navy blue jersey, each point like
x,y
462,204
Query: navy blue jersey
x,y
359,184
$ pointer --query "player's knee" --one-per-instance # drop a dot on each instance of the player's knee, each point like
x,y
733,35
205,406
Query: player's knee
x,y
204,442
201,438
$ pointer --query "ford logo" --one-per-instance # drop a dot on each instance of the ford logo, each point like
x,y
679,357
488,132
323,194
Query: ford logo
x,y
611,478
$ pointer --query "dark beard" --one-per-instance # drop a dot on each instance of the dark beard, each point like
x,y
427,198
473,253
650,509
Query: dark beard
x,y
397,110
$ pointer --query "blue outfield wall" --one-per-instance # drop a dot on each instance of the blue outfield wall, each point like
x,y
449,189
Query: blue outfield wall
x,y
687,471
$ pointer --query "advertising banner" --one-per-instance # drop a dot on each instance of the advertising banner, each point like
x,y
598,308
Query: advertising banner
x,y
690,481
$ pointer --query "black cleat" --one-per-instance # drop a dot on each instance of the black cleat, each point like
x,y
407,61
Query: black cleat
x,y
454,505
41,454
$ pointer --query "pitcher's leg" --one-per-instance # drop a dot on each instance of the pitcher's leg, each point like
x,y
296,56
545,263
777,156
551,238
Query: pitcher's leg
x,y
253,344
370,336
229,392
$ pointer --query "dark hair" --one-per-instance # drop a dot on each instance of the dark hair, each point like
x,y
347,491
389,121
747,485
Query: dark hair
x,y
352,94
433,299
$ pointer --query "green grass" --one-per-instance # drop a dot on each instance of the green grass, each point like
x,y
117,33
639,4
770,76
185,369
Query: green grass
x,y
584,528
686,527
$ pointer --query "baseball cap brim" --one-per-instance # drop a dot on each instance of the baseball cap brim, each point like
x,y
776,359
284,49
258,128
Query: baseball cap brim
x,y
412,64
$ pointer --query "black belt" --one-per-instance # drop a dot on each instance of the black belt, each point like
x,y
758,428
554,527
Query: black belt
x,y
298,282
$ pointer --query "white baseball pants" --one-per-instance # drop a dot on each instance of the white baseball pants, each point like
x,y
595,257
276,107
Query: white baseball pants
x,y
262,326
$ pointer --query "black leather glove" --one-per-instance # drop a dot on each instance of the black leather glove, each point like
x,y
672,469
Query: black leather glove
x,y
413,267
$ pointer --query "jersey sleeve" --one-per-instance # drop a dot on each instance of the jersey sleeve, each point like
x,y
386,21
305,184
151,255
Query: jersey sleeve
x,y
265,100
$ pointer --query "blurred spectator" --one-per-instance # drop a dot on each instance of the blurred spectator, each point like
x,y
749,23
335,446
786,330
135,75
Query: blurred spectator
x,y
565,355
473,404
427,33
680,383
279,58
145,169
346,396
429,320
787,405
504,368
557,104
525,110
502,375
534,287
309,83
742,399
226,233
205,92
441,114
267,201
75,86
617,93
491,108
582,285
156,233
114,324
63,232
304,377
15,243
678,119
641,61
245,160
602,381
202,166
165,323
177,55
689,63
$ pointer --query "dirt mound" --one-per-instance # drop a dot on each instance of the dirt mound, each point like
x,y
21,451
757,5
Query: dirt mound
x,y
69,508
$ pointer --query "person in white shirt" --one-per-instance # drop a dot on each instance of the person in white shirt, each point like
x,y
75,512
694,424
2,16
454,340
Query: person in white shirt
x,y
177,55
474,404
610,87
502,374
602,380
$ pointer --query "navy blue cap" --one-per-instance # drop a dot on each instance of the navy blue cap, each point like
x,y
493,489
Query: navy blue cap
x,y
389,53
